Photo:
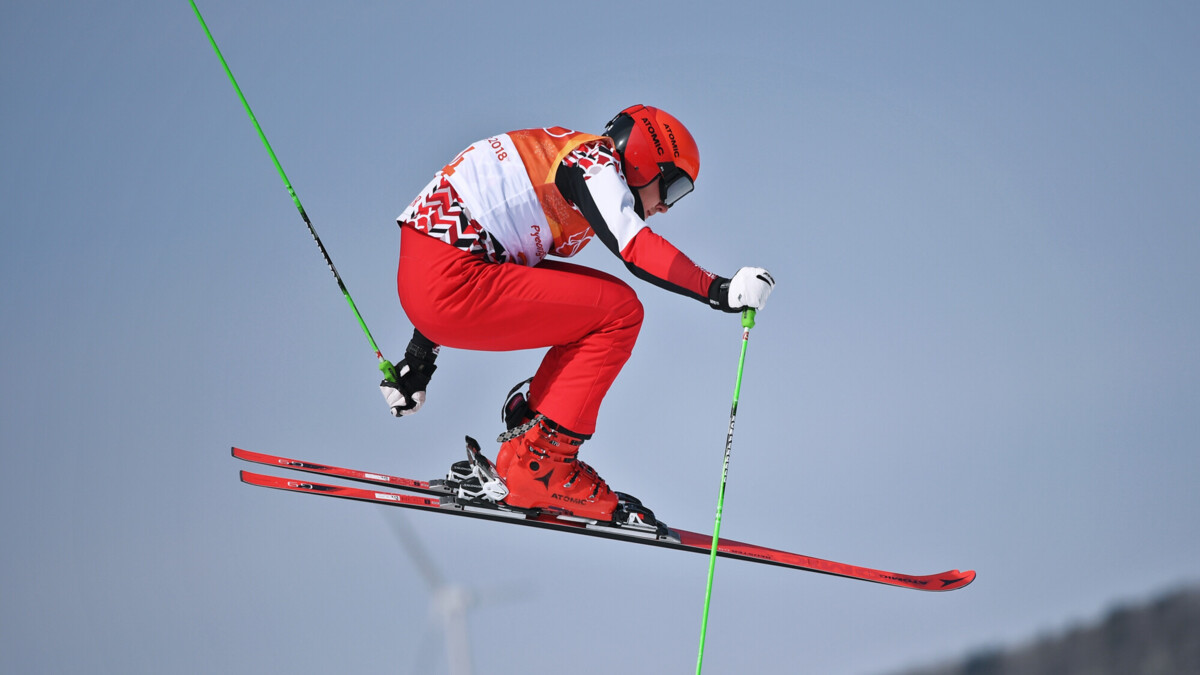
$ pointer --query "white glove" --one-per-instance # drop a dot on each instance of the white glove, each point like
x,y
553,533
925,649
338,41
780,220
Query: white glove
x,y
750,287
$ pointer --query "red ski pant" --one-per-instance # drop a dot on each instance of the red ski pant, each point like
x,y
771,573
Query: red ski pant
x,y
590,320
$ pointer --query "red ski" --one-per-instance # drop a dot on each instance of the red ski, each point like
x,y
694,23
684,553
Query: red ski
x,y
437,497
337,472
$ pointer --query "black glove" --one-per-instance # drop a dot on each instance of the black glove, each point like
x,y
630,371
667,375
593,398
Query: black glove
x,y
406,395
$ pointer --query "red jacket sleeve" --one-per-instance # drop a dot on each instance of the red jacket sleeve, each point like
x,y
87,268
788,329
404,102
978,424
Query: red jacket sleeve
x,y
658,257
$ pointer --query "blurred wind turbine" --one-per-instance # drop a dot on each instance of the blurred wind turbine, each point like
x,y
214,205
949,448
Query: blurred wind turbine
x,y
449,603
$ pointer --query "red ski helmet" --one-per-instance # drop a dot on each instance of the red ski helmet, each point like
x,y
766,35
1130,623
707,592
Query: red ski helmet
x,y
653,143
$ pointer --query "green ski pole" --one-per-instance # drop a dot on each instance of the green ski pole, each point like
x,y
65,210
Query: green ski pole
x,y
388,369
747,324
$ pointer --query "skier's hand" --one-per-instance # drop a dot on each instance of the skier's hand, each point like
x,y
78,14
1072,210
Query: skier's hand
x,y
406,395
748,289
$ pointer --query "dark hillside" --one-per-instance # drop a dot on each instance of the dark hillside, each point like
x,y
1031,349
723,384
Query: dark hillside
x,y
1158,638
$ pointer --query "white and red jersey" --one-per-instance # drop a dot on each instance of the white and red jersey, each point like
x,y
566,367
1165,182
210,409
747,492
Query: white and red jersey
x,y
524,195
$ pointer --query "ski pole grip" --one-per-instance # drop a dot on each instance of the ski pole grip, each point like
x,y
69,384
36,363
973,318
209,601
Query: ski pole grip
x,y
388,370
747,318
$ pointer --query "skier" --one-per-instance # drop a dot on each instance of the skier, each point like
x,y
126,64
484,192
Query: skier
x,y
473,274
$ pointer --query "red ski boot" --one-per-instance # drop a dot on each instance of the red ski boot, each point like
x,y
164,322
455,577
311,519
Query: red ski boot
x,y
541,470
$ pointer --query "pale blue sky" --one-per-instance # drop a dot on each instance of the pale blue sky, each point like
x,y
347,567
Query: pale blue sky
x,y
981,352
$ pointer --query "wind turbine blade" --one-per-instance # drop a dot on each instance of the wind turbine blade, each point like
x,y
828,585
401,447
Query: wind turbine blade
x,y
407,536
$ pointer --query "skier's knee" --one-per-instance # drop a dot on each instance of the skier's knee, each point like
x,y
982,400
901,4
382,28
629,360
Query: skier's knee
x,y
629,310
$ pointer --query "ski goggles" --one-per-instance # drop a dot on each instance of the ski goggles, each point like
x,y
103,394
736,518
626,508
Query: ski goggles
x,y
673,182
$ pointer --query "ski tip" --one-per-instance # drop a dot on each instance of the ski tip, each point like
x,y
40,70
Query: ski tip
x,y
955,580
473,444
